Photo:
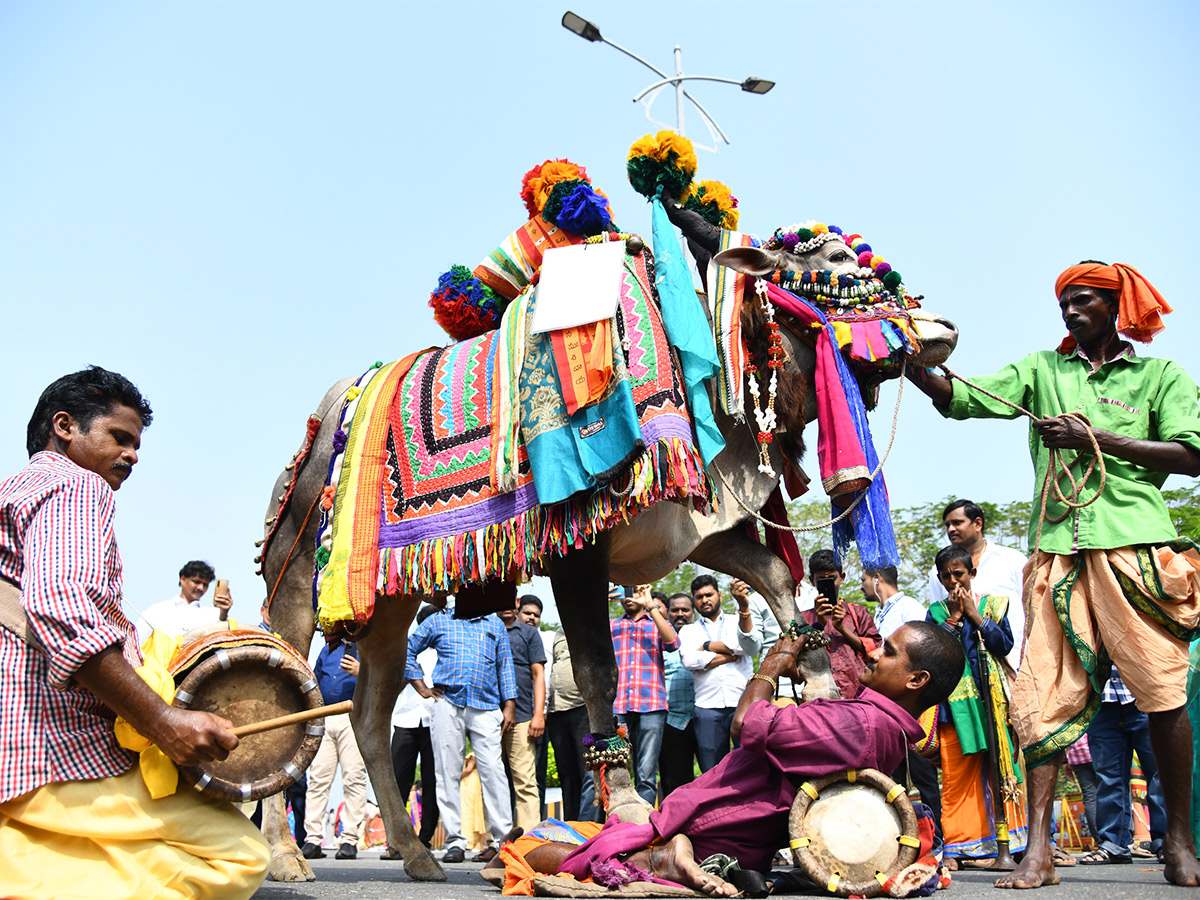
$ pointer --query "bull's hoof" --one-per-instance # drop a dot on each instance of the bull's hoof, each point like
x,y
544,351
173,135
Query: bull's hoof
x,y
424,867
635,811
290,867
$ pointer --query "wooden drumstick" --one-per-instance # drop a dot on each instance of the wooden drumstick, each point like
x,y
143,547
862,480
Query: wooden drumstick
x,y
333,709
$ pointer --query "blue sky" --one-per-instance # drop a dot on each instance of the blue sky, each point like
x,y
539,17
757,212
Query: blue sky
x,y
235,204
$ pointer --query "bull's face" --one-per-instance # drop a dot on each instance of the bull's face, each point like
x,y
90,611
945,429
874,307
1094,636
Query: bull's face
x,y
936,334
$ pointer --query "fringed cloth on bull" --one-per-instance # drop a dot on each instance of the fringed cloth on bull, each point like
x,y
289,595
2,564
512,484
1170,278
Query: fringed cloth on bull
x,y
844,444
414,504
874,335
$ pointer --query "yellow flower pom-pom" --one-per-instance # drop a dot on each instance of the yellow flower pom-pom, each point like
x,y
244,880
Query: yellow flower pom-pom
x,y
875,261
670,142
353,392
820,228
644,146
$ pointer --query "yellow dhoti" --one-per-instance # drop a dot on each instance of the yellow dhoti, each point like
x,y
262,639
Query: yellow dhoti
x,y
1134,607
108,838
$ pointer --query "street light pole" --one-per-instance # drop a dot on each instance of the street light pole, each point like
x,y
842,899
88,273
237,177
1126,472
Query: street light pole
x,y
678,92
590,32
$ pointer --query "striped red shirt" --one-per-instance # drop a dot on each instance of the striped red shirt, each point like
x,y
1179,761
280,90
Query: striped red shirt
x,y
57,543
639,650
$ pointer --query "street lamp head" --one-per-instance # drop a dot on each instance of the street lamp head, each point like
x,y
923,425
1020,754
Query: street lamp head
x,y
751,85
582,27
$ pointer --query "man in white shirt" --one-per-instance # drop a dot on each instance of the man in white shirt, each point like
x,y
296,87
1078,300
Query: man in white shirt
x,y
718,650
411,740
183,612
999,571
893,607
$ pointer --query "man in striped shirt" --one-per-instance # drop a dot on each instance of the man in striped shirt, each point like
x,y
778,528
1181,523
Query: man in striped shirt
x,y
640,638
71,799
475,690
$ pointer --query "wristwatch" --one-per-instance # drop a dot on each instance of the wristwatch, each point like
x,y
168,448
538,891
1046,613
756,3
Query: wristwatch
x,y
704,646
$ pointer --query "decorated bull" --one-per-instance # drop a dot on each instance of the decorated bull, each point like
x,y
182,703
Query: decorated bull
x,y
477,464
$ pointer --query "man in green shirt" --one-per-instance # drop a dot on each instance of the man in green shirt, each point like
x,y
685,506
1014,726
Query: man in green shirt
x,y
1111,581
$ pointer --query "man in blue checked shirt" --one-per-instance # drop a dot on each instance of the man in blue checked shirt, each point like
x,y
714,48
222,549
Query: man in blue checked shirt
x,y
475,691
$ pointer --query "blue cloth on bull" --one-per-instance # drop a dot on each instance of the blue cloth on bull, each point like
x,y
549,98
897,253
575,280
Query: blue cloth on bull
x,y
688,330
870,524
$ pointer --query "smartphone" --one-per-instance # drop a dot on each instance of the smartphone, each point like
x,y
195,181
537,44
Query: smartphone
x,y
629,589
351,649
222,587
827,588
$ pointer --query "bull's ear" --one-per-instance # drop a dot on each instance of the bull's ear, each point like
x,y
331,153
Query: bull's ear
x,y
751,260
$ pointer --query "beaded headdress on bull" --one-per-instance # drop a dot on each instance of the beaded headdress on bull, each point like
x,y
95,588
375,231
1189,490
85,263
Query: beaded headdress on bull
x,y
563,209
868,309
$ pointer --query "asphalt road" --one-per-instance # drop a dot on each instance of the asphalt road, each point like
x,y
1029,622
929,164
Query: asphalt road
x,y
370,877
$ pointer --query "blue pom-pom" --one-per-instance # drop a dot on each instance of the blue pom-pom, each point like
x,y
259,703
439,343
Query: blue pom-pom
x,y
836,230
862,248
583,211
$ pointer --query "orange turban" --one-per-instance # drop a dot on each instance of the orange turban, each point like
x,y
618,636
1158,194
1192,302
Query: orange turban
x,y
1140,306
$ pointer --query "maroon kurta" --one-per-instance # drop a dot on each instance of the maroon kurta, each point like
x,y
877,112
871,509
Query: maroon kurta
x,y
741,806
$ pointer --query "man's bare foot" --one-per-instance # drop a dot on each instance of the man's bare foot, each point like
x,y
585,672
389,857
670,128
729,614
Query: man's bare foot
x,y
1180,865
1036,870
675,861
950,864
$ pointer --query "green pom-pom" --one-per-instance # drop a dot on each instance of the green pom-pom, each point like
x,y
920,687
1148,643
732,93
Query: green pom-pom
x,y
322,557
804,235
891,280
646,174
709,209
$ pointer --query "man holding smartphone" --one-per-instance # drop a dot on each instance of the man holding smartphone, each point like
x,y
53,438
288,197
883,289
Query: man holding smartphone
x,y
184,611
851,629
718,649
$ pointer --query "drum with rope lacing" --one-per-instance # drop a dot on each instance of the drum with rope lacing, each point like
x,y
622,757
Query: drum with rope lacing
x,y
247,676
853,830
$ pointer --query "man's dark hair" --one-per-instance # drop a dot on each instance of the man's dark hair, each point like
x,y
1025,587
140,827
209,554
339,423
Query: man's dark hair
x,y
701,581
971,510
935,650
887,574
84,395
687,597
659,595
824,561
197,568
530,600
951,554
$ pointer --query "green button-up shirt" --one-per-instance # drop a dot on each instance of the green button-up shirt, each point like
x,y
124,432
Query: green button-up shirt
x,y
1138,397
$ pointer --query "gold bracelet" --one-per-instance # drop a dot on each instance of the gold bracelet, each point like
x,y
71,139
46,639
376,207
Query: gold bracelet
x,y
768,679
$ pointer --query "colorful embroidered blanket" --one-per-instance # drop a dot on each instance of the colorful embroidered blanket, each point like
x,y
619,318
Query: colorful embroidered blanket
x,y
440,517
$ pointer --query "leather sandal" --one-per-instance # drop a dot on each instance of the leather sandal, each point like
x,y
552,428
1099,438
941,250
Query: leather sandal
x,y
1103,857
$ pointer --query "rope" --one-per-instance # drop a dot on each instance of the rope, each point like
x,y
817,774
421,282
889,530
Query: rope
x,y
1058,468
287,560
849,509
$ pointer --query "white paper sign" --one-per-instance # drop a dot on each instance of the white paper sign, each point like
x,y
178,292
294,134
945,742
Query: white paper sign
x,y
579,284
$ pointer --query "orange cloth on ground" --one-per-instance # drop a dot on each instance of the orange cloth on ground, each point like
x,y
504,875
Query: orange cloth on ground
x,y
518,876
1140,305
